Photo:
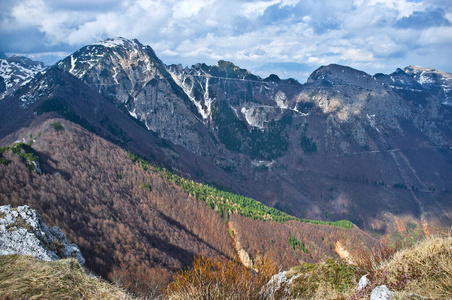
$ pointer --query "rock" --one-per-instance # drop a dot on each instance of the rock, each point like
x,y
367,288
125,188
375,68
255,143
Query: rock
x,y
363,282
23,232
381,293
273,285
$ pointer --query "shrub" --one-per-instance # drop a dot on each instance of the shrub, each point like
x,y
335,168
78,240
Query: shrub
x,y
57,126
328,280
220,278
296,244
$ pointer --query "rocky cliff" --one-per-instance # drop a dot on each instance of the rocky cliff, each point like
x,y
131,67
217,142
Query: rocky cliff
x,y
23,232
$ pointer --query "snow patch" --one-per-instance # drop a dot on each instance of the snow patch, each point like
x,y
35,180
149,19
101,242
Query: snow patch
x,y
134,114
372,121
424,79
188,90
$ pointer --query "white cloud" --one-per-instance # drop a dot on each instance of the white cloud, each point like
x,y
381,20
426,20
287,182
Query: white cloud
x,y
354,32
257,8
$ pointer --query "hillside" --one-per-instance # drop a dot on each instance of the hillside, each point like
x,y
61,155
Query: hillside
x,y
374,150
131,220
345,145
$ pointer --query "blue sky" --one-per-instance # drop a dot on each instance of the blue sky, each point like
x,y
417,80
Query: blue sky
x,y
370,35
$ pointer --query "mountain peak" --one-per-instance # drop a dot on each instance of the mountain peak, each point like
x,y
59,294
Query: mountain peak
x,y
120,42
338,74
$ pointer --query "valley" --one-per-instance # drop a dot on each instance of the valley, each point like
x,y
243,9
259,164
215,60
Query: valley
x,y
148,165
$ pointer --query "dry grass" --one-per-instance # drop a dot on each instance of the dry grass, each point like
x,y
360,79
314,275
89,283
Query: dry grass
x,y
373,258
25,277
424,269
220,278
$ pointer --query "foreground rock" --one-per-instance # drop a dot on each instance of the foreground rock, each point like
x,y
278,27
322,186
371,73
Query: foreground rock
x,y
381,293
23,232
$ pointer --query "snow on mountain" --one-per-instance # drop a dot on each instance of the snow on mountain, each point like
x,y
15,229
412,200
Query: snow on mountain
x,y
16,71
435,81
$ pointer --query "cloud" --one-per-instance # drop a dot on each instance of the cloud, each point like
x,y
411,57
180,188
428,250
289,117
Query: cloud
x,y
379,35
424,19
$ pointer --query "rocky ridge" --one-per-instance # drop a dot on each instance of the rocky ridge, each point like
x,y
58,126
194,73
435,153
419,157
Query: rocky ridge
x,y
23,232
132,76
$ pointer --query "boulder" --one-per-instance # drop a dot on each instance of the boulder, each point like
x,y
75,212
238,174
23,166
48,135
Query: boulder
x,y
381,293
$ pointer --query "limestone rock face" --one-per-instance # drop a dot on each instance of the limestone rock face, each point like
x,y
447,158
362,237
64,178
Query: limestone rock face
x,y
133,77
23,232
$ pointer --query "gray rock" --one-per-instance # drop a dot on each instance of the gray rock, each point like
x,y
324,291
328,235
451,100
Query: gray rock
x,y
23,232
273,285
363,282
381,293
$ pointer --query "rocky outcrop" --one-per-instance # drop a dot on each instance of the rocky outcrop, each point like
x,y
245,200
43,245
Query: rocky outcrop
x,y
23,232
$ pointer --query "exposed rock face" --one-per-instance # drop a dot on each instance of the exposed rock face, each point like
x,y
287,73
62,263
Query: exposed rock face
x,y
132,75
274,285
23,232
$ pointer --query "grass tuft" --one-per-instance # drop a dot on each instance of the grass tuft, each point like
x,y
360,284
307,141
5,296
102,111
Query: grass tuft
x,y
26,277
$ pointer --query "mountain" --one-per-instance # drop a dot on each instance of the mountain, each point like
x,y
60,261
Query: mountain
x,y
298,71
15,71
374,150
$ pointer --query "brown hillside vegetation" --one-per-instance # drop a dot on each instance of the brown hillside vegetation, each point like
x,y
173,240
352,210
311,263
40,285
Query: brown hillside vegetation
x,y
134,225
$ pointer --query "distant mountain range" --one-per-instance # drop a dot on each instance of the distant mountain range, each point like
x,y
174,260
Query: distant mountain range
x,y
374,150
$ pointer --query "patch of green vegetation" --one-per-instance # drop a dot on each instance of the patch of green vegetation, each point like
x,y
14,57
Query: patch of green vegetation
x,y
399,186
307,143
3,160
265,144
296,244
25,151
57,126
226,203
65,110
335,275
147,186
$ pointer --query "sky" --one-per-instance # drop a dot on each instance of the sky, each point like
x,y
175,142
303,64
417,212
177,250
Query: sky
x,y
276,36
